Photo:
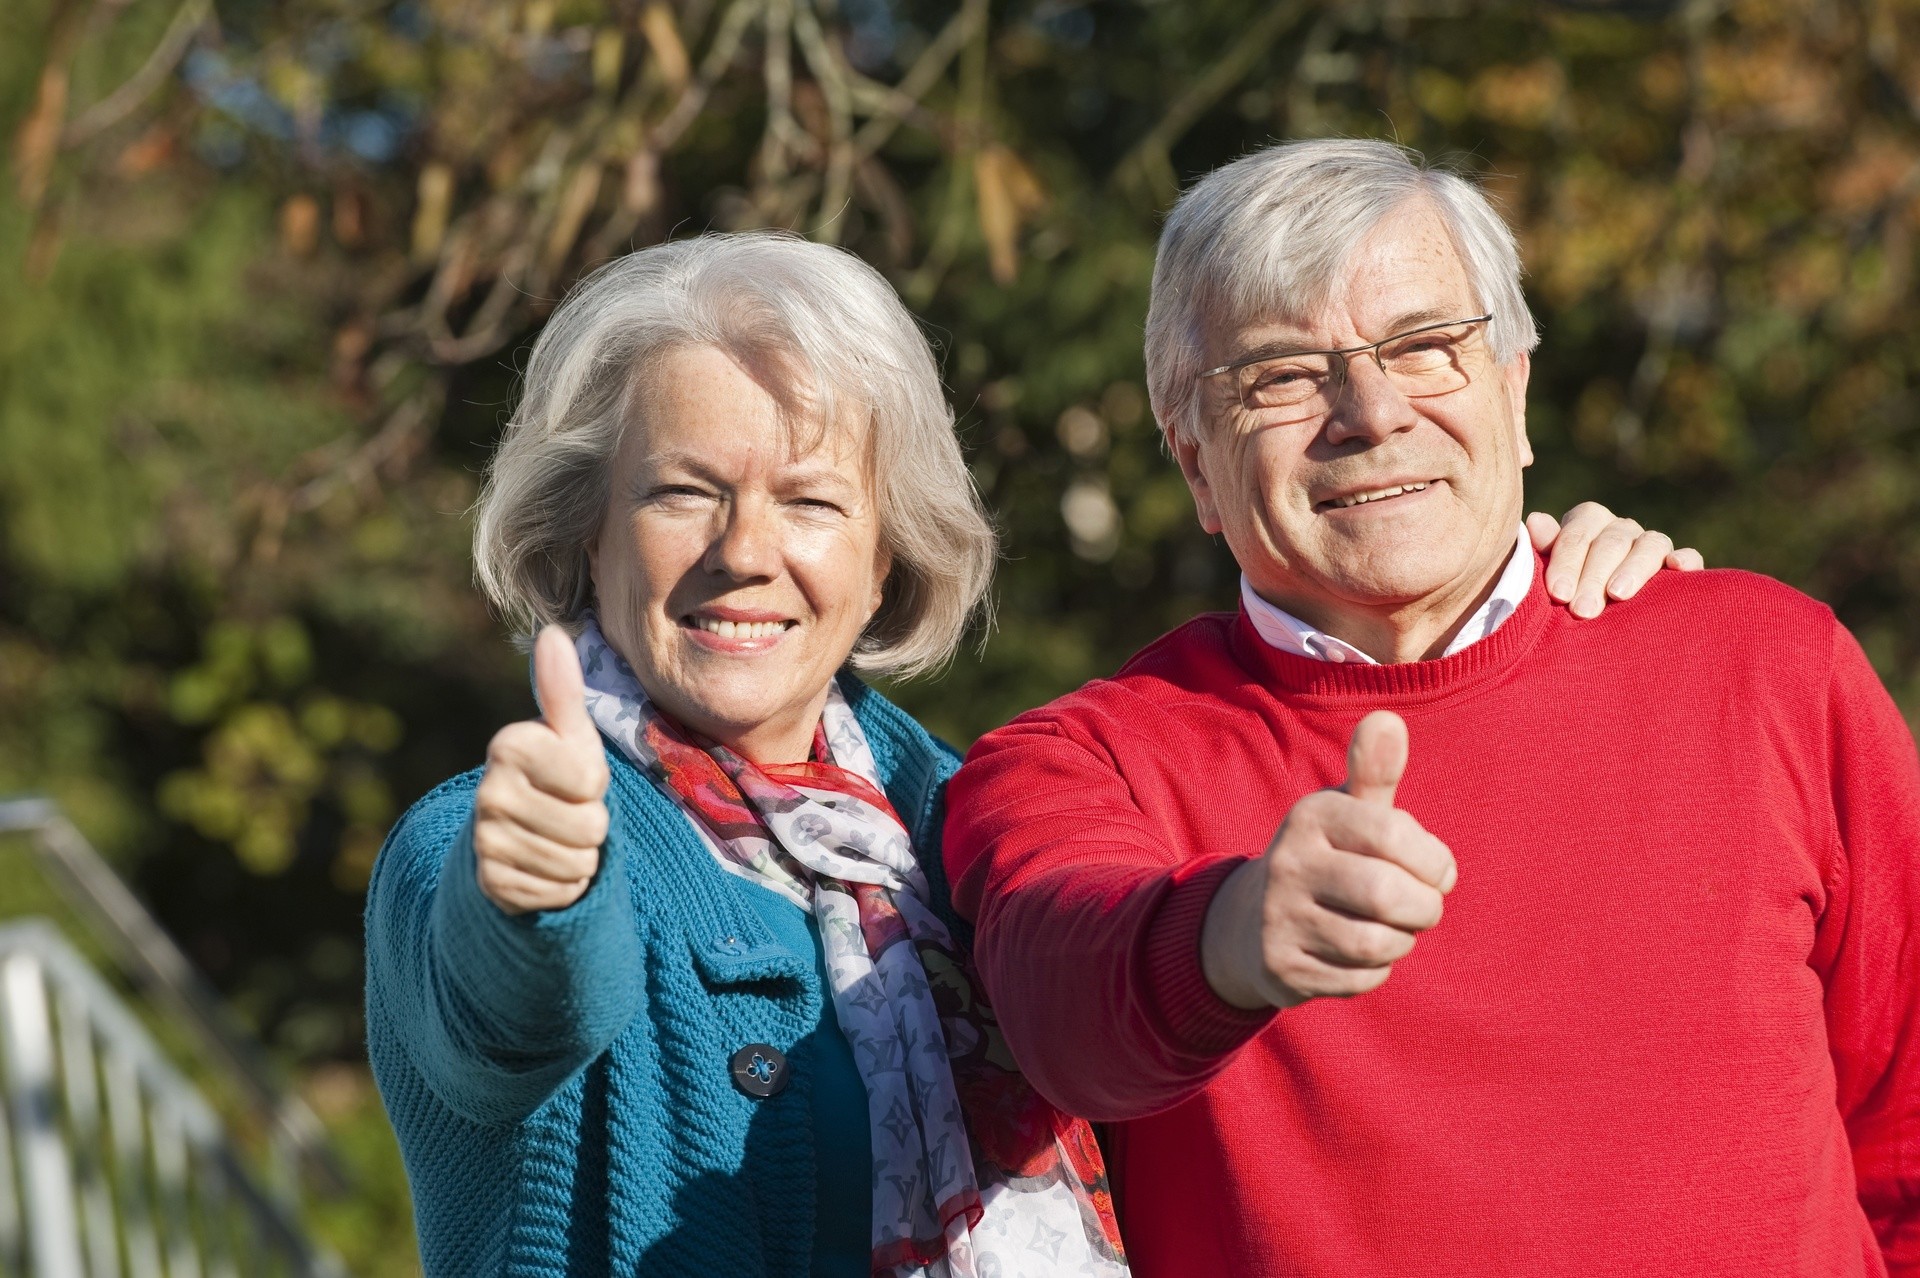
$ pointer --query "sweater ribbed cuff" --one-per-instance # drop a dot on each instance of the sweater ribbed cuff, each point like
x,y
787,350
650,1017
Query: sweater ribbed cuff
x,y
1200,1021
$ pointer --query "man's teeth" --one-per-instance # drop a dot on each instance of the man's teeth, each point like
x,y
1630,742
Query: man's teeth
x,y
739,629
1359,499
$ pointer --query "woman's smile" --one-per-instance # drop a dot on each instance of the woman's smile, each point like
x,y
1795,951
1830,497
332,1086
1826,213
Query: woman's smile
x,y
736,631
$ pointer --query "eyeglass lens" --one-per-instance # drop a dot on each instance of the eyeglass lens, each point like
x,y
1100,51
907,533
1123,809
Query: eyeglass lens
x,y
1300,387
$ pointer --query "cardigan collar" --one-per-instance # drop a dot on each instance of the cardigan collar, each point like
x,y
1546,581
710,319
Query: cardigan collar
x,y
730,941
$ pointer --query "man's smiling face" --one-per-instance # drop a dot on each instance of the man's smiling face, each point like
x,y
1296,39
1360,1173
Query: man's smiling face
x,y
1283,494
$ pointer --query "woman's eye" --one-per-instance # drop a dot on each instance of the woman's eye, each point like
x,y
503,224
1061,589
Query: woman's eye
x,y
677,494
819,504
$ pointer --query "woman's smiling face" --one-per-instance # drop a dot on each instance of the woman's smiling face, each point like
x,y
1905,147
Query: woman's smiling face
x,y
732,573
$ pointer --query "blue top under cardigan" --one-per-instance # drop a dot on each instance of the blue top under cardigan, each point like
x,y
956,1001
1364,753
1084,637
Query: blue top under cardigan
x,y
559,1080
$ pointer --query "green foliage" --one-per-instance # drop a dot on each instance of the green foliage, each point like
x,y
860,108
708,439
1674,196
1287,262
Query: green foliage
x,y
260,327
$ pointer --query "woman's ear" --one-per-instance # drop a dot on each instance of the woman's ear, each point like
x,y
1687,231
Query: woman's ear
x,y
588,586
882,573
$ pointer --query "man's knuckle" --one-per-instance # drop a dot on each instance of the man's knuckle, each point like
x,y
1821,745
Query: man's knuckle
x,y
1379,897
1370,946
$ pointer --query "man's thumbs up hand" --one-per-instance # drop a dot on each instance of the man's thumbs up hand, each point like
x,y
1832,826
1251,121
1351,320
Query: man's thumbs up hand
x,y
540,812
1346,885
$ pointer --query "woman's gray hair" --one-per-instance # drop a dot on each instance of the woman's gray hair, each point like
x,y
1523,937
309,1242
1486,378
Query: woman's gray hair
x,y
834,335
1266,237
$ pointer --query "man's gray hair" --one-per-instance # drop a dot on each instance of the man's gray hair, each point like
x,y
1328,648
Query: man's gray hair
x,y
1266,237
834,338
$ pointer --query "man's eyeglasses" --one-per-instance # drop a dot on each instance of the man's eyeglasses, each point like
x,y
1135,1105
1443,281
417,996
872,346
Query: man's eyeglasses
x,y
1298,386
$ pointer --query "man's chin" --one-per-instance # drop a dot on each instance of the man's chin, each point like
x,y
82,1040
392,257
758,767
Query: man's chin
x,y
1390,568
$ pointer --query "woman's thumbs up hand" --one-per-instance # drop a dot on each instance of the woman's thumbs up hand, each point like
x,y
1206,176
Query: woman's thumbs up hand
x,y
540,812
1346,885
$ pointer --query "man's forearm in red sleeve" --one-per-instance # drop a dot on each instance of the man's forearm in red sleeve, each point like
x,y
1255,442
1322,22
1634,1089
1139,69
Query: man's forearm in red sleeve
x,y
1868,950
1088,922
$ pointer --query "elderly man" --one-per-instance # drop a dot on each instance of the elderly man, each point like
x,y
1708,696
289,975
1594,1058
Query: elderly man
x,y
1668,1024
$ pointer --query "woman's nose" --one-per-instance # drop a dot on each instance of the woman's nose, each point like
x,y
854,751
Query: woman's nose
x,y
1370,405
746,545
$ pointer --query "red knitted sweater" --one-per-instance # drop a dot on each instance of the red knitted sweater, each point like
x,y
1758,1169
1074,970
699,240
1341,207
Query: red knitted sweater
x,y
1668,1025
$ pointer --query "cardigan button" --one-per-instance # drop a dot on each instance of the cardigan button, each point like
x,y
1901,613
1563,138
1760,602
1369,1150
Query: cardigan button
x,y
759,1070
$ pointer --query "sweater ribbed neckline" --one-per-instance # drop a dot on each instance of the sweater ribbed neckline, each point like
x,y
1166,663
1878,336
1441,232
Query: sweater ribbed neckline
x,y
1291,674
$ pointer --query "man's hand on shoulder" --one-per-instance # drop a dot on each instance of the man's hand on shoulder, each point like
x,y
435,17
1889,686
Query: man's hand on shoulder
x,y
1344,888
1595,556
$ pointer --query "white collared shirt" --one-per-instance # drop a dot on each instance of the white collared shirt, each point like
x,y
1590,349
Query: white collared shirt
x,y
1282,630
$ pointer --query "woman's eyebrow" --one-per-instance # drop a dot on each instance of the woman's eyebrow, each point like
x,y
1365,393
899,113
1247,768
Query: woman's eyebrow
x,y
817,475
690,462
695,466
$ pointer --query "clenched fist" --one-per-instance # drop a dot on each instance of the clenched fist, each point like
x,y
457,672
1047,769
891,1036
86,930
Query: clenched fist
x,y
540,812
1347,884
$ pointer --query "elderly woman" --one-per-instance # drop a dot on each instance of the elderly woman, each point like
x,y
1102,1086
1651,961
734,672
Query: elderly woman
x,y
671,985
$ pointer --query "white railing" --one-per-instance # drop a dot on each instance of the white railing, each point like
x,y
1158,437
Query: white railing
x,y
112,1163
119,1165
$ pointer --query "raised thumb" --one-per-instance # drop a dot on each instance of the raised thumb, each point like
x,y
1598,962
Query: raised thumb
x,y
1376,757
560,690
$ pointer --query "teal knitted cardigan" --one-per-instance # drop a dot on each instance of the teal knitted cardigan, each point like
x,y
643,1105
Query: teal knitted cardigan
x,y
559,1081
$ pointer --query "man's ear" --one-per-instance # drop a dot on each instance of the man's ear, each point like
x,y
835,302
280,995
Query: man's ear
x,y
1187,453
1516,373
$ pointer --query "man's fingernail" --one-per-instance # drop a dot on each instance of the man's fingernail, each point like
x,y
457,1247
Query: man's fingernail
x,y
1585,607
1452,877
1559,588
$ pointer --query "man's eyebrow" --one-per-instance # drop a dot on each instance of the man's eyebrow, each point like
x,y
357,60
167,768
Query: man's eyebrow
x,y
1417,319
1401,324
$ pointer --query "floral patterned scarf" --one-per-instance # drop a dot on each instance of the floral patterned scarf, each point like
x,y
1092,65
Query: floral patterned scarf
x,y
974,1173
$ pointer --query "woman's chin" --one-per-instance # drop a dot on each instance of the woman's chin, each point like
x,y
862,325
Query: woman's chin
x,y
731,709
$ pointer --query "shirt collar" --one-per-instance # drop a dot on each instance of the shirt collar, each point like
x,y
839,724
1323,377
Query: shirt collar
x,y
1282,630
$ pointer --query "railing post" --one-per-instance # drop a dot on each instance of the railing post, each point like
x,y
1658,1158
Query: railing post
x,y
53,1237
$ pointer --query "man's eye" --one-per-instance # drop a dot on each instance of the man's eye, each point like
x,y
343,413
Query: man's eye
x,y
1281,375
1421,352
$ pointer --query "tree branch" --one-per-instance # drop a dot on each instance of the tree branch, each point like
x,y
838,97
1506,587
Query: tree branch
x,y
125,100
1148,162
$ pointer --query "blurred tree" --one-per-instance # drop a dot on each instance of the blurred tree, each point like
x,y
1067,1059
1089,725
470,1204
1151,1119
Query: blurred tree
x,y
267,268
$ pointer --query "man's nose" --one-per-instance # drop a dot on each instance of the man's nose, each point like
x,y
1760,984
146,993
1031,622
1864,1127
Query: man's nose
x,y
1370,406
746,544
